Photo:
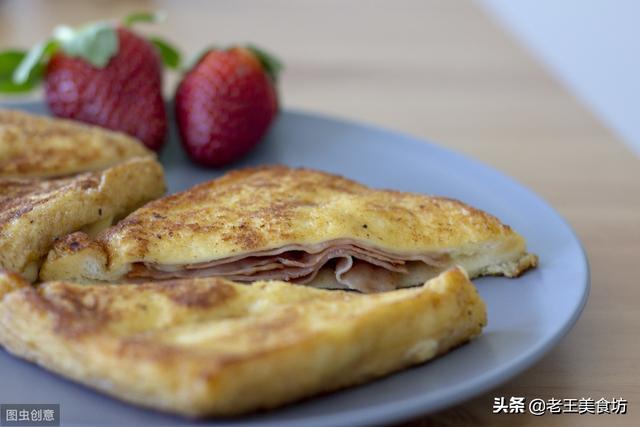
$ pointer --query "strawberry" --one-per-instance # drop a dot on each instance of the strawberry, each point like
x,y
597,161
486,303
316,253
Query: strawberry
x,y
226,103
102,74
125,95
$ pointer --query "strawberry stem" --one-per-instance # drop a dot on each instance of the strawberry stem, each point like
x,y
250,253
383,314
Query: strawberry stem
x,y
169,54
95,43
272,65
36,56
144,17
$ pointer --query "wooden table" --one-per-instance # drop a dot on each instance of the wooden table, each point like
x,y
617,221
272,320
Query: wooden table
x,y
444,71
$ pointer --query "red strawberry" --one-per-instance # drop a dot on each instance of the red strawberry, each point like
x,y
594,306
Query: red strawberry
x,y
125,95
99,73
226,103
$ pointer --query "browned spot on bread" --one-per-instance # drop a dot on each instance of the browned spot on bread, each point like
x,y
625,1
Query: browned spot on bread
x,y
18,196
73,242
135,228
10,281
75,311
287,319
23,194
145,347
196,295
244,236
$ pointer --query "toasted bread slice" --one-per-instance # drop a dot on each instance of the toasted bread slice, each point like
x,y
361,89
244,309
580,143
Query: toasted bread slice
x,y
298,225
213,347
38,146
34,212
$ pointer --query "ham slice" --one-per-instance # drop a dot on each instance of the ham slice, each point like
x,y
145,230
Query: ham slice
x,y
356,265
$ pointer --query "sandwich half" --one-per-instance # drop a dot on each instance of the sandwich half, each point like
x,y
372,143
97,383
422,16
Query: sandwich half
x,y
209,346
35,212
38,146
297,225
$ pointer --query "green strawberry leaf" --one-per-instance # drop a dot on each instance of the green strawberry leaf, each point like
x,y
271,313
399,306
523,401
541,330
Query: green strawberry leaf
x,y
33,60
96,43
148,17
9,62
271,64
170,54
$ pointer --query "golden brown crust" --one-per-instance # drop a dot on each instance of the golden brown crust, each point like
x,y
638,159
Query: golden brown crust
x,y
19,196
512,268
34,212
10,281
274,206
38,146
266,207
212,347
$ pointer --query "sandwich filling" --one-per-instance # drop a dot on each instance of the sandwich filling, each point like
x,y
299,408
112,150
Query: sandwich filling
x,y
353,265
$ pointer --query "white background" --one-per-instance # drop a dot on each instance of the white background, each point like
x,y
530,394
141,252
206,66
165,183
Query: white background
x,y
592,46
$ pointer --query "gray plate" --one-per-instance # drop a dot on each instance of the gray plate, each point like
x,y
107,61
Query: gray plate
x,y
527,316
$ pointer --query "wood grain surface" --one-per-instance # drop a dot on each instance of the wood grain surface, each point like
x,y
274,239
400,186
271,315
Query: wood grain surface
x,y
444,71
